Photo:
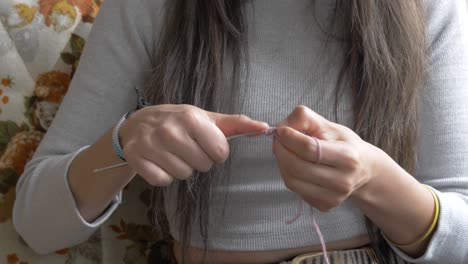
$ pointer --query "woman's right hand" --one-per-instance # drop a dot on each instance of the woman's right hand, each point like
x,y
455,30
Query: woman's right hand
x,y
166,142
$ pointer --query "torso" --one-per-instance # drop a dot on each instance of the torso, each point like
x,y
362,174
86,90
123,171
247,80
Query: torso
x,y
289,65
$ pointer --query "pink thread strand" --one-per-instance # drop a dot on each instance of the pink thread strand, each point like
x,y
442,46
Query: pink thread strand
x,y
270,131
300,212
319,233
312,216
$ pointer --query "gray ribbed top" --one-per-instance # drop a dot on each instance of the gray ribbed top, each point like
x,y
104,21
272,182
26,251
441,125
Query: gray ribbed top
x,y
289,65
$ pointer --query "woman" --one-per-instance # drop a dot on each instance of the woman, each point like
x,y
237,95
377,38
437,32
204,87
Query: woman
x,y
367,97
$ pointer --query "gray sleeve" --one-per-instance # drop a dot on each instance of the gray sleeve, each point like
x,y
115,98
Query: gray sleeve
x,y
443,146
116,58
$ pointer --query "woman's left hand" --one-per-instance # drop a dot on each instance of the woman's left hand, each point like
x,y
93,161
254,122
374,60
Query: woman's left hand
x,y
322,161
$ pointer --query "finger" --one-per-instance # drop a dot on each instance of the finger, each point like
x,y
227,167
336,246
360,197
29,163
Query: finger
x,y
319,197
211,140
232,125
315,195
191,126
229,124
296,169
172,164
307,121
300,171
332,153
150,172
192,154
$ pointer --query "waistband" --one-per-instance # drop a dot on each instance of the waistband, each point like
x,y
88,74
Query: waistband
x,y
364,255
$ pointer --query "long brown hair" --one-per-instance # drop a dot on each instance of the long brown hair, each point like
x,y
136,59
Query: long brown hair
x,y
202,49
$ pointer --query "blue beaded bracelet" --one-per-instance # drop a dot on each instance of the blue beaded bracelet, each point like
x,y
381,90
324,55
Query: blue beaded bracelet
x,y
115,138
141,103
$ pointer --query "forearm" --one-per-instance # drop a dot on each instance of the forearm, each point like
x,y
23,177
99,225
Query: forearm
x,y
398,204
92,191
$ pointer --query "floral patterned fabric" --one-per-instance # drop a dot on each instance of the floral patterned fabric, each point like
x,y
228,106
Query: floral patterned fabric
x,y
40,46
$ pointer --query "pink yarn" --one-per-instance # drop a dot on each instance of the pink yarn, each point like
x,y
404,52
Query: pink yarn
x,y
319,150
300,212
316,226
319,233
312,216
270,131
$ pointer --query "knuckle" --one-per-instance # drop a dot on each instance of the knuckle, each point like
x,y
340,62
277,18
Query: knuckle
x,y
345,129
205,166
336,202
186,106
243,118
153,181
345,186
301,110
159,180
341,199
186,174
351,157
190,118
322,208
314,202
169,134
290,183
327,205
221,152
166,129
324,205
143,119
298,113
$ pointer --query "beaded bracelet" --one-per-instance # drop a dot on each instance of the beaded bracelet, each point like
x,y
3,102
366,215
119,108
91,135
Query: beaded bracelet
x,y
115,137
431,227
141,103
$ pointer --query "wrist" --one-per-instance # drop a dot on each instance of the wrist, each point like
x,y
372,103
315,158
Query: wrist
x,y
379,163
429,231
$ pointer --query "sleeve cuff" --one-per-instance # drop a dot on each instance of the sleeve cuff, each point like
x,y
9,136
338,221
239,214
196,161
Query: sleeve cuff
x,y
106,214
46,197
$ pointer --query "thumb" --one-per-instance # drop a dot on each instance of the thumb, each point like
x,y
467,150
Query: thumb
x,y
307,121
232,125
